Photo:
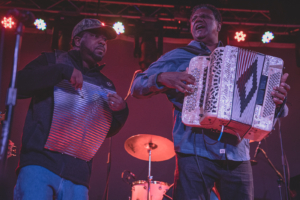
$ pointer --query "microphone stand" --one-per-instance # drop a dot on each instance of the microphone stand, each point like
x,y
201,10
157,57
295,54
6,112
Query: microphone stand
x,y
283,162
281,179
285,180
10,103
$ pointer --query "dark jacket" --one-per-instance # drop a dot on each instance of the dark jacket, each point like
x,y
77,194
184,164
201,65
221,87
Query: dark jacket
x,y
36,81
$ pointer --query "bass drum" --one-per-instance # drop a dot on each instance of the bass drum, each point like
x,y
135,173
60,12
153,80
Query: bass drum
x,y
140,188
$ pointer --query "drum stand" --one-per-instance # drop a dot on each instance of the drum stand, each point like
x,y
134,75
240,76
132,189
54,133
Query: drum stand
x,y
150,146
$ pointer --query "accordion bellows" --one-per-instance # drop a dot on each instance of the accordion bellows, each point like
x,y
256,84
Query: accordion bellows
x,y
233,88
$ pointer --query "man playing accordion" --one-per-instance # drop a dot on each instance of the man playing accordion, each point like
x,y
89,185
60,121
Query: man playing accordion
x,y
201,159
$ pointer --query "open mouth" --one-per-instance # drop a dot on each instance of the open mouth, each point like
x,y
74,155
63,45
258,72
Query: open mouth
x,y
199,27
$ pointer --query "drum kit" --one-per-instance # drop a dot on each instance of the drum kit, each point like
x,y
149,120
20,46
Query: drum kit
x,y
151,148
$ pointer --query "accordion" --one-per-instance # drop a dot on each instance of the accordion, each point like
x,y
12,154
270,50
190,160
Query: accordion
x,y
233,90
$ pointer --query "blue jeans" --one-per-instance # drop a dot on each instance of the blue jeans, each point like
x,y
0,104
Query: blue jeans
x,y
38,183
234,178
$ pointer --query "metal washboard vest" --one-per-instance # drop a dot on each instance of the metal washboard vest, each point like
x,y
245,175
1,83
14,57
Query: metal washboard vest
x,y
81,118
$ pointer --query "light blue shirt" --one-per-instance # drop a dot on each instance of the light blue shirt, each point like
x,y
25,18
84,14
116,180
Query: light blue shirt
x,y
187,139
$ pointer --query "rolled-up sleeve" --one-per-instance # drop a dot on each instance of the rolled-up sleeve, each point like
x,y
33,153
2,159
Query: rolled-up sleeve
x,y
145,84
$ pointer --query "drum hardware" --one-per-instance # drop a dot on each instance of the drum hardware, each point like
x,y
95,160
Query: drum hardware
x,y
128,177
253,162
150,148
157,190
165,195
214,195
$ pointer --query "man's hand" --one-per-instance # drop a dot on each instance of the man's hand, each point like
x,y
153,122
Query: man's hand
x,y
175,80
76,79
115,102
279,93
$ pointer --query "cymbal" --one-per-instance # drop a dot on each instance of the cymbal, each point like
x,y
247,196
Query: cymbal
x,y
161,148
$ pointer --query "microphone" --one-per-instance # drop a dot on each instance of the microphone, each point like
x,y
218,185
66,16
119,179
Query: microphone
x,y
24,16
257,150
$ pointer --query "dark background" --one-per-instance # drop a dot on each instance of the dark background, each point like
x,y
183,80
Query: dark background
x,y
153,116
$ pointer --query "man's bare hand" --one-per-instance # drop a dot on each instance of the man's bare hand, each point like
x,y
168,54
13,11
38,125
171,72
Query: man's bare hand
x,y
115,102
76,79
279,93
175,80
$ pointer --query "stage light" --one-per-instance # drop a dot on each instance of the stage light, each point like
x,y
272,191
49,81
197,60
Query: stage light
x,y
40,24
119,27
240,36
7,22
267,37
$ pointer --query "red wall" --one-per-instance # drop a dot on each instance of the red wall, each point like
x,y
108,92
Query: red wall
x,y
153,116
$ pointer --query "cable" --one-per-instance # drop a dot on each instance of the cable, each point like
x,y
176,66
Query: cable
x,y
105,195
221,133
208,142
288,170
196,157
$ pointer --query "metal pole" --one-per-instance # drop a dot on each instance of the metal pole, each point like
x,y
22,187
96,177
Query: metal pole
x,y
283,162
1,54
160,18
10,103
149,175
279,181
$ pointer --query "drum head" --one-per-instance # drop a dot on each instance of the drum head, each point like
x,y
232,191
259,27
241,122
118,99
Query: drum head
x,y
140,190
152,182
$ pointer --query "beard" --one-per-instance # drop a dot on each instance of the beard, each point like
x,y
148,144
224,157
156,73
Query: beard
x,y
92,53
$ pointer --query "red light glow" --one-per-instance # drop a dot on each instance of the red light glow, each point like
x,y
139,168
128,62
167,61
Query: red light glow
x,y
7,22
240,36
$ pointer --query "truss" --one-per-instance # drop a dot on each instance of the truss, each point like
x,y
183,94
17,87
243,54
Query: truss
x,y
173,17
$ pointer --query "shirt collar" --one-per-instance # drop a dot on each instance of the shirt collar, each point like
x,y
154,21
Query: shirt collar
x,y
201,45
75,54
